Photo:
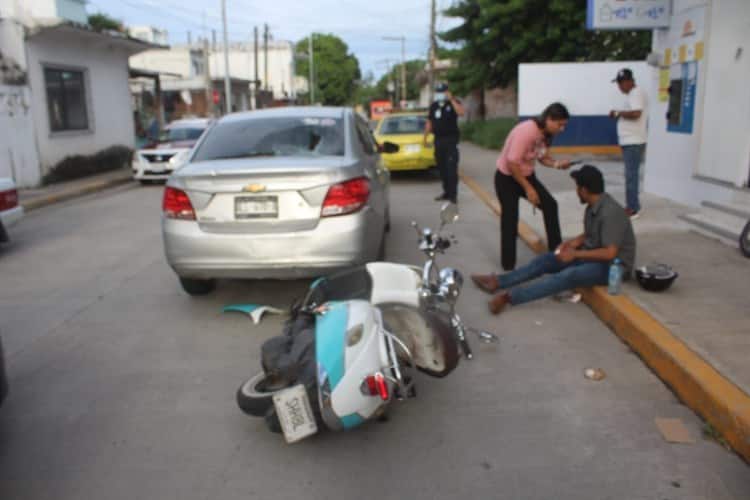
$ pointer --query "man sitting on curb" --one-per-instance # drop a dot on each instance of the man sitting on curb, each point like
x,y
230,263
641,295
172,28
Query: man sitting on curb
x,y
581,262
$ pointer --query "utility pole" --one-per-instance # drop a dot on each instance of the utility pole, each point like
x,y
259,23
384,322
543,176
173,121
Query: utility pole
x,y
207,74
256,83
433,50
227,82
312,62
265,57
401,39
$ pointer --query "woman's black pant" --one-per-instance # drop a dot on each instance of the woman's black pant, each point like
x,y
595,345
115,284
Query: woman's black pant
x,y
508,192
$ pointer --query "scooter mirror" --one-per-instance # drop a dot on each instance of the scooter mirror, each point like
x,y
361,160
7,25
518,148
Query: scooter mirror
x,y
449,213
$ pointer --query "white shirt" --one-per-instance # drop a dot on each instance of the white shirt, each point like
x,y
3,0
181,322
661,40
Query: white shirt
x,y
634,131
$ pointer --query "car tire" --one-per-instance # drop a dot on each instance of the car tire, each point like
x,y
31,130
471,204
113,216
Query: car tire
x,y
4,238
745,240
197,287
252,399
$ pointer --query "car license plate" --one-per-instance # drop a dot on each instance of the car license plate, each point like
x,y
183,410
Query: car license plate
x,y
295,414
412,148
256,207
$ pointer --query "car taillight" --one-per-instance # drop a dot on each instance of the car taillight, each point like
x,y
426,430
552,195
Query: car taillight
x,y
176,204
376,385
346,198
8,199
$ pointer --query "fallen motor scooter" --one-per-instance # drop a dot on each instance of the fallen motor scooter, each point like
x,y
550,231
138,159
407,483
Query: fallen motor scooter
x,y
351,346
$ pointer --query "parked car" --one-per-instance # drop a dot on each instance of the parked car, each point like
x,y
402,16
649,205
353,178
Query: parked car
x,y
278,193
3,375
406,130
10,211
156,161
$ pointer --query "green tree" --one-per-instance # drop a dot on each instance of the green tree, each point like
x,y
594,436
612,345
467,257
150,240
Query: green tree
x,y
415,78
496,35
336,70
103,22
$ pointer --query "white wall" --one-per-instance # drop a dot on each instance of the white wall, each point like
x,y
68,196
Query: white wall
x,y
107,93
725,143
174,60
719,146
18,154
241,65
584,88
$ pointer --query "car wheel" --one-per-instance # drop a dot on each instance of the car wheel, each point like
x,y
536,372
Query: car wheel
x,y
197,287
253,397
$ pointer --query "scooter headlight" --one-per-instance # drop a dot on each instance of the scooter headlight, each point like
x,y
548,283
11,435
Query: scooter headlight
x,y
451,281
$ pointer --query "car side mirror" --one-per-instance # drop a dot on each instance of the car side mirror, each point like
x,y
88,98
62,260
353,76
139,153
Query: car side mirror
x,y
388,148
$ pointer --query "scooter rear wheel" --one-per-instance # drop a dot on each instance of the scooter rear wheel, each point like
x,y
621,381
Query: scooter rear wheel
x,y
254,397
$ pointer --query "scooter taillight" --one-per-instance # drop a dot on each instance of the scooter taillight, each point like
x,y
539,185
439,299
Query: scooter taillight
x,y
377,386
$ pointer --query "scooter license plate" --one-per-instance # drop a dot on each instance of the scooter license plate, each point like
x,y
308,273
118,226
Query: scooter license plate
x,y
295,414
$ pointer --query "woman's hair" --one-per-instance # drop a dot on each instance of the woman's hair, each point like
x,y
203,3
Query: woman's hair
x,y
555,111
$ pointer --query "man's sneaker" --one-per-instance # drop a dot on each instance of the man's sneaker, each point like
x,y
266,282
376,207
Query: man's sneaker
x,y
633,214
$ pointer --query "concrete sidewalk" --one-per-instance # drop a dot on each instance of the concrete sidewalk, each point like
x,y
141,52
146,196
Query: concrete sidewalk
x,y
31,199
706,309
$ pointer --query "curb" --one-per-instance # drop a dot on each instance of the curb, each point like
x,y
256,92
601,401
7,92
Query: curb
x,y
698,384
75,192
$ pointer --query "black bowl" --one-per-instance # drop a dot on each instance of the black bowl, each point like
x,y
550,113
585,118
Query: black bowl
x,y
656,277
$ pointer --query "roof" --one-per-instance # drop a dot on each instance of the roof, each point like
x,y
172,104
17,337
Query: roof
x,y
136,73
68,30
289,112
189,123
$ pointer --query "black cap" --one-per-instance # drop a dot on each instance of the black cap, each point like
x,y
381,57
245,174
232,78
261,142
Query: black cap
x,y
625,74
590,177
441,87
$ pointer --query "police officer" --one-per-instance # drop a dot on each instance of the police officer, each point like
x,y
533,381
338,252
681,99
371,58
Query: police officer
x,y
442,121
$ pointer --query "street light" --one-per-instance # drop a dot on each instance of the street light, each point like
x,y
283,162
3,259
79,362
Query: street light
x,y
401,39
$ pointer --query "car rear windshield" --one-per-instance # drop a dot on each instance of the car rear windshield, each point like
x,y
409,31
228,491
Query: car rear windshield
x,y
181,134
301,136
403,125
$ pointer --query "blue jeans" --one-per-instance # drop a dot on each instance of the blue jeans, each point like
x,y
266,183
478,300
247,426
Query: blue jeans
x,y
561,277
632,155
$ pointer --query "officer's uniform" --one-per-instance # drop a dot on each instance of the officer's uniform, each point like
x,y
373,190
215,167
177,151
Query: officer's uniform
x,y
444,121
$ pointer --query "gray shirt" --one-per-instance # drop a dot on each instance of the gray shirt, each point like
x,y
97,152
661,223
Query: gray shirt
x,y
606,223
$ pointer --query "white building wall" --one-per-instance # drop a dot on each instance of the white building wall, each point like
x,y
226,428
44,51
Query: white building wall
x,y
18,154
584,88
174,60
719,145
45,10
281,78
107,93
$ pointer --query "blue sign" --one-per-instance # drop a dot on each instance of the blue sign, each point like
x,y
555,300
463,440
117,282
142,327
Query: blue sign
x,y
628,14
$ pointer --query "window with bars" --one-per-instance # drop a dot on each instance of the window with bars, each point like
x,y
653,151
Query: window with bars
x,y
66,99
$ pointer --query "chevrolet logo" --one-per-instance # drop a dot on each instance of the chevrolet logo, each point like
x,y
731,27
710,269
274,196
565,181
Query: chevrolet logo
x,y
254,188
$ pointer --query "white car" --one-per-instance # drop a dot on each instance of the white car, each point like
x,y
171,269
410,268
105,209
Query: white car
x,y
157,161
10,211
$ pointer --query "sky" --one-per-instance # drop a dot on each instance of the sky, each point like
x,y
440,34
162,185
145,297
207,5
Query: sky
x,y
360,23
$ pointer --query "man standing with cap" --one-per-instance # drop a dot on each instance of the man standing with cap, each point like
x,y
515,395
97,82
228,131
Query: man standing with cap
x,y
581,262
442,121
631,133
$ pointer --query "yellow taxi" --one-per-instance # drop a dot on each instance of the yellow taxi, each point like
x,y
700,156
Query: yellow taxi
x,y
407,130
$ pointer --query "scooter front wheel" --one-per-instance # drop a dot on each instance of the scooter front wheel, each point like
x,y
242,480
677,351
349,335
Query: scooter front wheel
x,y
254,397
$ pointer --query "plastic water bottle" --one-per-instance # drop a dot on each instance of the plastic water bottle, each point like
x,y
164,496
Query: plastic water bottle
x,y
615,277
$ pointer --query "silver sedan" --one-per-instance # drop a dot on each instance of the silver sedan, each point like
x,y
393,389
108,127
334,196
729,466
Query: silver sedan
x,y
281,193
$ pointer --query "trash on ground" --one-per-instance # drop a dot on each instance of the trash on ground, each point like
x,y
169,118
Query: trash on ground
x,y
255,311
674,431
595,374
569,296
538,323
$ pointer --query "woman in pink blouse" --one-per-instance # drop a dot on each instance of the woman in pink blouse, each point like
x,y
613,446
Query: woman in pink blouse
x,y
526,144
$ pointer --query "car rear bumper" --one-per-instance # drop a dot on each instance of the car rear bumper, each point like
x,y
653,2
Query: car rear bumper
x,y
416,161
336,243
11,216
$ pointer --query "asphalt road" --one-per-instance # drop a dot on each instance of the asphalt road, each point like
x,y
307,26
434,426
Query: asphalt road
x,y
122,386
